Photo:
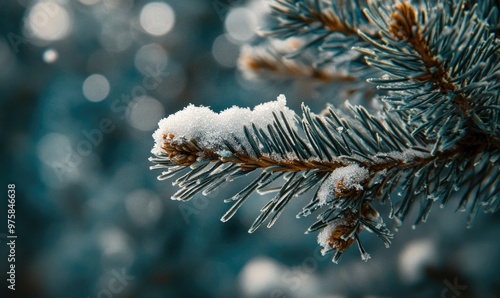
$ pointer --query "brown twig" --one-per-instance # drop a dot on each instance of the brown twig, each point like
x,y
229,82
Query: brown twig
x,y
404,26
186,153
331,22
258,64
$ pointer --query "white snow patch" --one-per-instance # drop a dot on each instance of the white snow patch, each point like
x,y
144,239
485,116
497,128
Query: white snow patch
x,y
410,154
210,129
350,177
365,256
324,235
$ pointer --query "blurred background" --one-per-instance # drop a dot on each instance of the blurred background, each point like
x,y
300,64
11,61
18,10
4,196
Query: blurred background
x,y
83,85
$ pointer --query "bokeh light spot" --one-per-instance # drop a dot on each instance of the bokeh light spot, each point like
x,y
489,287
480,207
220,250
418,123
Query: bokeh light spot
x,y
48,21
225,52
157,18
241,24
414,258
149,56
145,112
144,207
259,274
115,244
115,35
50,55
96,87
52,148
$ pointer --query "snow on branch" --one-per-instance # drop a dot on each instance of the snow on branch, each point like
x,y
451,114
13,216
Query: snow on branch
x,y
342,182
212,130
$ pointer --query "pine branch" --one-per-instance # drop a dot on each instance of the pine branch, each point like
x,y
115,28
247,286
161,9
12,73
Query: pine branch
x,y
449,92
307,157
266,63
302,17
438,141
330,28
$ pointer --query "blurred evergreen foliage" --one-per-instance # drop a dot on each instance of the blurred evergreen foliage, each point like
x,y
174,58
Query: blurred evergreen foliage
x,y
77,79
